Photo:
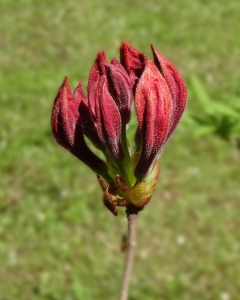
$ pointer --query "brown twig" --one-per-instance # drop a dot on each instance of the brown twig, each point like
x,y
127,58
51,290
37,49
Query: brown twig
x,y
130,251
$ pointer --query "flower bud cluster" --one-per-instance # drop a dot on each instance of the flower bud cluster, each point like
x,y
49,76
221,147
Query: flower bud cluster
x,y
154,88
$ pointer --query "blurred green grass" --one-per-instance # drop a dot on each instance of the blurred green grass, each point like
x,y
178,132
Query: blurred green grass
x,y
57,241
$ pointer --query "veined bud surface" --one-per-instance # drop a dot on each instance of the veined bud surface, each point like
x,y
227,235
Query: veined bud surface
x,y
154,89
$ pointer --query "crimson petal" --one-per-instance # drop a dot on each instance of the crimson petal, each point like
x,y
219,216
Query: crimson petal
x,y
108,119
119,85
133,61
154,109
176,86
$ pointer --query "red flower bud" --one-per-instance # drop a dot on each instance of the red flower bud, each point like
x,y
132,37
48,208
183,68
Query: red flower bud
x,y
65,116
176,86
87,123
109,99
98,69
106,117
67,128
154,108
120,88
133,61
172,87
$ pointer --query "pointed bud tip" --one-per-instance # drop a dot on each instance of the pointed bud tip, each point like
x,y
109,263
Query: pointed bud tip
x,y
152,47
101,55
114,61
125,44
65,83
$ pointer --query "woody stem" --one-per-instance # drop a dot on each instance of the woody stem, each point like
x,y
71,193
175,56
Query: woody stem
x,y
130,252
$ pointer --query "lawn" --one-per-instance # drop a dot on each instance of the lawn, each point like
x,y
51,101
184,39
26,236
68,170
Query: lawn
x,y
57,240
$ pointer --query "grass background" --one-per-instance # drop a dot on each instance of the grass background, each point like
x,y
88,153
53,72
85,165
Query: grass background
x,y
57,241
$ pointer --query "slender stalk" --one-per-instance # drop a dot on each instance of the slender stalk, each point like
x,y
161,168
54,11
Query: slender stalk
x,y
125,142
130,252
